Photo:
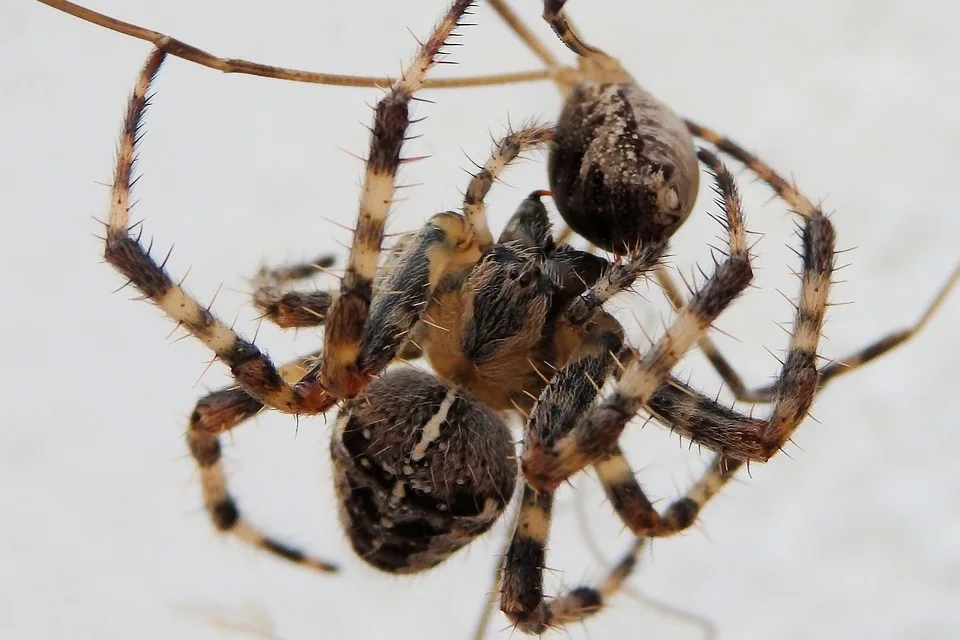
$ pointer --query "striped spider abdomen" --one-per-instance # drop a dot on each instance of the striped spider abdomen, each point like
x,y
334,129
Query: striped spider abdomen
x,y
420,469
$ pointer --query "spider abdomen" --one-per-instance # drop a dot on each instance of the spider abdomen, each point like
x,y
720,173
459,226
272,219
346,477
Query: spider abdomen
x,y
622,166
421,469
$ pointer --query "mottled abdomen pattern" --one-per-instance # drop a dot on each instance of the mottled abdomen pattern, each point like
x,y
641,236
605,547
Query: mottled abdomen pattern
x,y
622,167
420,468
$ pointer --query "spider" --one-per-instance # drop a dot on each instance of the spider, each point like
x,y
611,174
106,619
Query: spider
x,y
424,462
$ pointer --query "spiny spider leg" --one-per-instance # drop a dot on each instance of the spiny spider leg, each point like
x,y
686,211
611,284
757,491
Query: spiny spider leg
x,y
717,360
506,151
568,393
179,49
523,585
795,390
702,420
292,309
879,347
801,205
697,418
552,455
253,370
521,595
218,413
346,366
638,513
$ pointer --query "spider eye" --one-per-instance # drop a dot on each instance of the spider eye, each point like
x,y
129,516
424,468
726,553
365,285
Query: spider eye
x,y
529,276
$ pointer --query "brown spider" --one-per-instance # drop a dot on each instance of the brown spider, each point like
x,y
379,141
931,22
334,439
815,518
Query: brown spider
x,y
424,463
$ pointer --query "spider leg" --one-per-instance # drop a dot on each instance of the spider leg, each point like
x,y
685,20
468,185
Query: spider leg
x,y
505,151
522,31
744,438
179,49
521,595
124,252
717,360
798,202
215,414
569,393
801,205
344,373
885,344
554,15
638,513
253,370
703,420
292,309
552,454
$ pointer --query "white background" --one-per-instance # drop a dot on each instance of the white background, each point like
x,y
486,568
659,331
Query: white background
x,y
855,534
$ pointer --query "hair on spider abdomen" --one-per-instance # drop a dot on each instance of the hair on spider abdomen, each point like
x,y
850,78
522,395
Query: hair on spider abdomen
x,y
622,167
418,480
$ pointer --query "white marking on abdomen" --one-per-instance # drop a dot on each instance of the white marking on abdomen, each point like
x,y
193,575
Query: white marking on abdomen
x,y
431,430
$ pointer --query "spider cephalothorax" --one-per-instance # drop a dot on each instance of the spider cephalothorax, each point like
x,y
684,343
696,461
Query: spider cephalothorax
x,y
498,328
424,462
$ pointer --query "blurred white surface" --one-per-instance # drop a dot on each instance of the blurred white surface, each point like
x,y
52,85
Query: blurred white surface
x,y
854,535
